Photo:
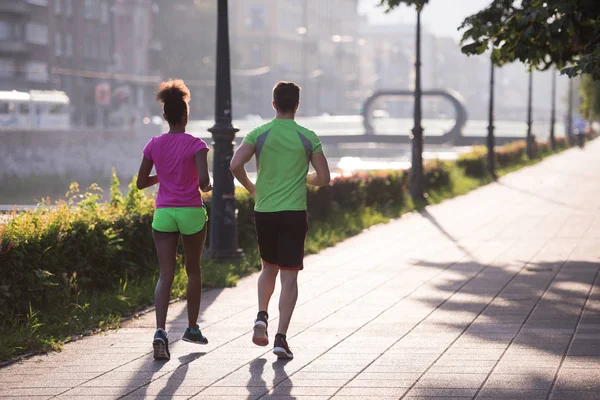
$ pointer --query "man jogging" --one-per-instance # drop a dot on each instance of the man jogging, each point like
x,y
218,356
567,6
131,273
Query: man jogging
x,y
283,151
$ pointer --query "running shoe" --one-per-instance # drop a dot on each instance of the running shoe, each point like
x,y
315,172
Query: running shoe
x,y
281,348
260,337
161,345
194,336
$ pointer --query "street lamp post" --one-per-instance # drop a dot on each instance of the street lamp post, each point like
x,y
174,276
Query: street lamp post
x,y
491,157
530,117
553,113
416,179
223,227
570,116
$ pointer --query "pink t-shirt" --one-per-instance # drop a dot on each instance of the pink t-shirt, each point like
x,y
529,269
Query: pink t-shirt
x,y
173,155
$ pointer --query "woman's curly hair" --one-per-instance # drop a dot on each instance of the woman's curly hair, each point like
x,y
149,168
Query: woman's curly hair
x,y
174,95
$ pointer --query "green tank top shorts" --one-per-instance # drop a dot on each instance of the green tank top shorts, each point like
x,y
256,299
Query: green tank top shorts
x,y
185,220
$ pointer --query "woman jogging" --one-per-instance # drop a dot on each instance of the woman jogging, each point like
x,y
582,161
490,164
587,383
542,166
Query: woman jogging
x,y
181,169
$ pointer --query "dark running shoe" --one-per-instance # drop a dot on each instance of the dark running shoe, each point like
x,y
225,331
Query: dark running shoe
x,y
194,336
260,337
161,345
281,348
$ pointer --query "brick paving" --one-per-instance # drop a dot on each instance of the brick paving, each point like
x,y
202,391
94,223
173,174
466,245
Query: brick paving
x,y
492,295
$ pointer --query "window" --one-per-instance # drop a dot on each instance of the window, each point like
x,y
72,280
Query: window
x,y
58,48
256,55
36,71
91,9
36,33
104,11
68,8
5,30
256,17
68,45
24,108
57,109
7,68
4,108
57,7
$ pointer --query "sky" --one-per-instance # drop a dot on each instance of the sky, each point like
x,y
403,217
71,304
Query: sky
x,y
441,17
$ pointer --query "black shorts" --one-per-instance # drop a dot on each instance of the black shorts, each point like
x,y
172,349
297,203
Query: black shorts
x,y
281,237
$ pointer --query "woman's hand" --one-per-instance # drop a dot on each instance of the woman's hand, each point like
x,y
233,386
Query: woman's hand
x,y
207,188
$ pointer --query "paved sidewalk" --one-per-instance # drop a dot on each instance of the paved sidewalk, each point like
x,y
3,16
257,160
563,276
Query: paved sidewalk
x,y
495,294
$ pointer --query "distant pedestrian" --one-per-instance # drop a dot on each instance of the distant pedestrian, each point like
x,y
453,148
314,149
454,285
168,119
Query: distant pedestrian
x,y
283,151
181,166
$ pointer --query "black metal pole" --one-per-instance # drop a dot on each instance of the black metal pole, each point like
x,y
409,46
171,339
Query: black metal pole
x,y
491,157
553,113
570,116
223,227
416,180
305,75
530,117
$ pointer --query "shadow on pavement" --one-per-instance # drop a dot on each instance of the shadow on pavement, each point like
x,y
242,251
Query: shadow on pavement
x,y
537,196
525,323
257,383
149,366
281,381
175,380
425,214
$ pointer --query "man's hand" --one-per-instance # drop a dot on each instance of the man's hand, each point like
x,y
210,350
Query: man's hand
x,y
242,155
251,188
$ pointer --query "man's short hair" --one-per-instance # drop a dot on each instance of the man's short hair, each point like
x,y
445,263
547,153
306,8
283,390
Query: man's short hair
x,y
286,96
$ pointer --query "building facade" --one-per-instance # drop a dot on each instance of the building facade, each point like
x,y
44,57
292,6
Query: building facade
x,y
310,42
77,46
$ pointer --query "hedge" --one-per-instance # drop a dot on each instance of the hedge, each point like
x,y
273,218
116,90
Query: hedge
x,y
474,162
58,258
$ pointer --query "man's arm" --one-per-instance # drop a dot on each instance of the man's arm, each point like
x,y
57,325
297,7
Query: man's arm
x,y
321,176
242,155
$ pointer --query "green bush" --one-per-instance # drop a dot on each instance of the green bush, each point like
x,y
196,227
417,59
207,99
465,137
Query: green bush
x,y
510,154
474,162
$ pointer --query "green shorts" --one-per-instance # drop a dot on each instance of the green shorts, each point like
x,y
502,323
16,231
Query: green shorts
x,y
185,220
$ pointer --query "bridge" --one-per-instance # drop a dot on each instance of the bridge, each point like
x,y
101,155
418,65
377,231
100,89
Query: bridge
x,y
367,129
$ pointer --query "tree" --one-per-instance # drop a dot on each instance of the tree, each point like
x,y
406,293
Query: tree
x,y
541,33
590,98
391,4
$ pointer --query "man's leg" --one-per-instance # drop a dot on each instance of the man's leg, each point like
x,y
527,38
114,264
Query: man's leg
x,y
291,260
287,300
266,285
267,234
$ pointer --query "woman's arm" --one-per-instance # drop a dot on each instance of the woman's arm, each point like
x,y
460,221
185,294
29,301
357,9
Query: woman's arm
x,y
144,179
242,155
202,167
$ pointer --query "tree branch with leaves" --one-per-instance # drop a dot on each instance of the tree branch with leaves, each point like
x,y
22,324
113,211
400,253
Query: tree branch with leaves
x,y
540,33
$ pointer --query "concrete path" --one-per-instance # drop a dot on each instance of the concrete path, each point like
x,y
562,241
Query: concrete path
x,y
495,294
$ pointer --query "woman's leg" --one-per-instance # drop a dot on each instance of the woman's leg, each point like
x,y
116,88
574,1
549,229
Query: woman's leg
x,y
193,245
166,248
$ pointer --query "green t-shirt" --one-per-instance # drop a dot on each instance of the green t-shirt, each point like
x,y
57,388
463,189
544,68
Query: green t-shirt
x,y
282,150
